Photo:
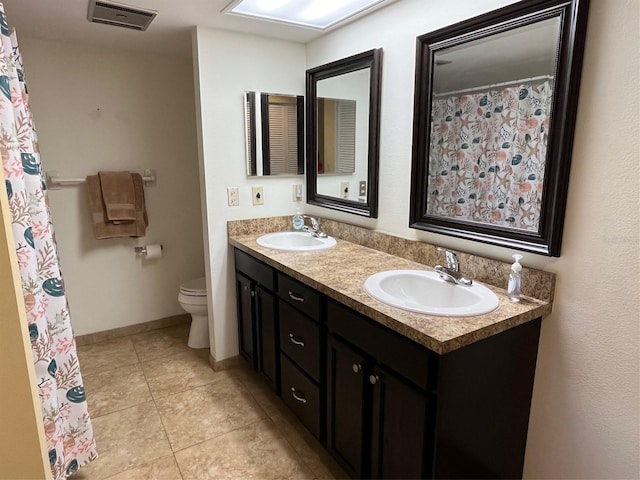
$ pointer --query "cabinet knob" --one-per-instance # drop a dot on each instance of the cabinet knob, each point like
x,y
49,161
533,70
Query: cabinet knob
x,y
295,297
253,294
373,379
297,396
295,340
357,368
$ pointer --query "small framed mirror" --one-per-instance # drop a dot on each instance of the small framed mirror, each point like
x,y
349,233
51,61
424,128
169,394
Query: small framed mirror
x,y
276,147
494,116
343,104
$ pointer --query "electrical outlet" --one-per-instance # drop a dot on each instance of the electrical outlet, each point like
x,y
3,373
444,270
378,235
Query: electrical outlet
x,y
233,197
363,188
258,195
296,192
344,189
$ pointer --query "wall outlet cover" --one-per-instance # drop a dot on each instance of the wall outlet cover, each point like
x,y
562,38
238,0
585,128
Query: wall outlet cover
x,y
257,195
344,189
233,196
296,192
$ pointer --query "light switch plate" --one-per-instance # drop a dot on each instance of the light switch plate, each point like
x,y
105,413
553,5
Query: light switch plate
x,y
233,197
296,192
363,188
257,195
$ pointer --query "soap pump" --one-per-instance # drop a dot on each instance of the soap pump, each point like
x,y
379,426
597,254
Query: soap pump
x,y
513,288
298,221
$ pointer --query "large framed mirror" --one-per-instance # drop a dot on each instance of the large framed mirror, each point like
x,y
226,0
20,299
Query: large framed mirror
x,y
495,107
343,122
274,134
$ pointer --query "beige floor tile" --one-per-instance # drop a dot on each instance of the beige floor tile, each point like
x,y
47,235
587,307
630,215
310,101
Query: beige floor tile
x,y
260,391
205,412
307,446
116,390
179,372
104,356
256,451
161,343
164,468
126,440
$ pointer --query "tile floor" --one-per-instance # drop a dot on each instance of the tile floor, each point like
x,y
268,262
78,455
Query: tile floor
x,y
160,412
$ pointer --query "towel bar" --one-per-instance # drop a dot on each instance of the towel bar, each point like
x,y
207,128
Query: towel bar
x,y
55,182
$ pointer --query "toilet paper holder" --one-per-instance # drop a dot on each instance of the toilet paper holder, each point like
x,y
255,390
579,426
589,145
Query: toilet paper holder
x,y
143,249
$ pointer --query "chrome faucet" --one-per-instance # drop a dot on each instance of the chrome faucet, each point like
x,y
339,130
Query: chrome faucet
x,y
451,273
314,229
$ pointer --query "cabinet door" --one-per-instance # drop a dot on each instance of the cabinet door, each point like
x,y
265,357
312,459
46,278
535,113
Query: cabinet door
x,y
346,406
399,421
266,332
246,316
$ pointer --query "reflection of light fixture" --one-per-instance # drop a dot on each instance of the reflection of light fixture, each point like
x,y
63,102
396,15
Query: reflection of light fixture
x,y
316,14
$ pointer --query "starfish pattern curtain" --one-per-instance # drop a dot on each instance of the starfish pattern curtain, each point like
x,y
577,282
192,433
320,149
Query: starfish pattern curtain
x,y
68,431
487,156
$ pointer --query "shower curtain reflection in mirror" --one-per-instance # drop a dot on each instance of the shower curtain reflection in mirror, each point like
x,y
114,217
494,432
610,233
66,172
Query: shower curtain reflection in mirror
x,y
487,154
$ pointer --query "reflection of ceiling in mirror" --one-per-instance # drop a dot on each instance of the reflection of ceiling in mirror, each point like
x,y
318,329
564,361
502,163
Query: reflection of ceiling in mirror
x,y
528,51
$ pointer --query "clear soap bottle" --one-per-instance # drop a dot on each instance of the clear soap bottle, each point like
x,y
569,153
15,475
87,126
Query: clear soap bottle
x,y
298,221
515,280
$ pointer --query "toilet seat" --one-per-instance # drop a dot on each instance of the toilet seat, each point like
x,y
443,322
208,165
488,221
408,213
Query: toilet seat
x,y
194,288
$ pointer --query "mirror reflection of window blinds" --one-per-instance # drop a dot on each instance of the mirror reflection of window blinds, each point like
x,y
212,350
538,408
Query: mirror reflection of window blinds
x,y
249,134
346,136
283,139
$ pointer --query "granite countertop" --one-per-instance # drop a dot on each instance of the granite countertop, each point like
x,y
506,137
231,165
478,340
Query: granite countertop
x,y
340,272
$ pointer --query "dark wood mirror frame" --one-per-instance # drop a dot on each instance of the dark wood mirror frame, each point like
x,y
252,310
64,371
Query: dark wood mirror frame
x,y
573,23
373,60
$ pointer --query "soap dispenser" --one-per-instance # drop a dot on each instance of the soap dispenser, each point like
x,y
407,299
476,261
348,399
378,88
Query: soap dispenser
x,y
298,221
513,288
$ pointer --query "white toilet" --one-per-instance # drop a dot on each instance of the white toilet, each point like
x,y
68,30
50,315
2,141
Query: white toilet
x,y
193,299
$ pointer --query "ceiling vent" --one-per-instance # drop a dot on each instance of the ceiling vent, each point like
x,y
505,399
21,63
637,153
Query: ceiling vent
x,y
112,13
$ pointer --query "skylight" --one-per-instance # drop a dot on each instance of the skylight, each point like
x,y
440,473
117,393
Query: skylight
x,y
315,14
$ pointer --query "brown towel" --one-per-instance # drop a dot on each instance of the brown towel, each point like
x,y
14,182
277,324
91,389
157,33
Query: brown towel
x,y
102,227
118,196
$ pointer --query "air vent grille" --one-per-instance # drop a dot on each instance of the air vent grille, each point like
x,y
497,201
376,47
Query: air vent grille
x,y
120,15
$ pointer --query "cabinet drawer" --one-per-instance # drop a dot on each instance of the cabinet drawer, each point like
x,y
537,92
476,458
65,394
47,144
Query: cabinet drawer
x,y
389,348
263,274
300,340
304,298
301,395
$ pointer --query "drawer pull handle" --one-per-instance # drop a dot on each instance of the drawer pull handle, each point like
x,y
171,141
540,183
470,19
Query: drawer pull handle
x,y
295,395
357,368
373,379
295,341
293,297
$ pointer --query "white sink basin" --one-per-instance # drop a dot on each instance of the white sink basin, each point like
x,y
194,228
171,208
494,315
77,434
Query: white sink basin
x,y
425,292
295,241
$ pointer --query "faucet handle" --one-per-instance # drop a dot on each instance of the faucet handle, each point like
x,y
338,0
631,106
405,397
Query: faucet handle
x,y
315,223
452,258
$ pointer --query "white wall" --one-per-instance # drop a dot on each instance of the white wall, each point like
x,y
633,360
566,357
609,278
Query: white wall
x,y
98,109
227,64
585,414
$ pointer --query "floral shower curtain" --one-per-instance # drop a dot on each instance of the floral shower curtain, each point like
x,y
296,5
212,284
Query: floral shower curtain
x,y
67,426
487,155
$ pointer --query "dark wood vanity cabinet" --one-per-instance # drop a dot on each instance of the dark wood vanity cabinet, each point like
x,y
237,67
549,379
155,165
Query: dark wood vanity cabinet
x,y
257,316
384,405
302,340
377,419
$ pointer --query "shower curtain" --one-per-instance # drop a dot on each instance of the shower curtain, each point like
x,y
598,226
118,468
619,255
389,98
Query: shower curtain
x,y
67,426
487,155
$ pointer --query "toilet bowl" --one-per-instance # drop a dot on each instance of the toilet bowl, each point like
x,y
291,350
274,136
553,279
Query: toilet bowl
x,y
193,300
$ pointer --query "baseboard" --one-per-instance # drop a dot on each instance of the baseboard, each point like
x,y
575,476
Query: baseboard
x,y
226,364
92,338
